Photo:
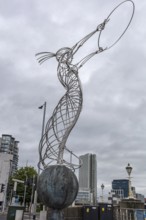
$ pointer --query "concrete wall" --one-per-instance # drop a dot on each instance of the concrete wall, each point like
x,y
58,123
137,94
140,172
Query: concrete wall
x,y
5,166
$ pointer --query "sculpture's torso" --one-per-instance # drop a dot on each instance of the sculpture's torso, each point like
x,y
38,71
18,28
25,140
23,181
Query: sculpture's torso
x,y
66,113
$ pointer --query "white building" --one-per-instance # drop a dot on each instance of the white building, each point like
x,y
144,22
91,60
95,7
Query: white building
x,y
88,177
5,170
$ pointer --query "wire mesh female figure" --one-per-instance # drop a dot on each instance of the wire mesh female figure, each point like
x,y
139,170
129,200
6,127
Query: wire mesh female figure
x,y
66,113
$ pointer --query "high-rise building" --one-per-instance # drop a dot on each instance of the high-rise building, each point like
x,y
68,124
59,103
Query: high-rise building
x,y
88,176
8,145
121,185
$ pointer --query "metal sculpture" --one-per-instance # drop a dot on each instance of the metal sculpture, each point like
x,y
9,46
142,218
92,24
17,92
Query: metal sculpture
x,y
65,115
57,185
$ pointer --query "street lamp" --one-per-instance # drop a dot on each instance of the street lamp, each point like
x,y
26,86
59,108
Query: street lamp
x,y
129,170
35,194
25,187
102,187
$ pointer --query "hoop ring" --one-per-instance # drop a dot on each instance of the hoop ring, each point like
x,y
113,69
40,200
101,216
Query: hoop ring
x,y
100,33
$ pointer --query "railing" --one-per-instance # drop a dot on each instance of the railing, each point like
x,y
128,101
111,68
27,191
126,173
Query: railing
x,y
129,214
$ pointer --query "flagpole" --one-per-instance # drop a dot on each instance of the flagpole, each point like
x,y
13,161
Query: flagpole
x,y
35,195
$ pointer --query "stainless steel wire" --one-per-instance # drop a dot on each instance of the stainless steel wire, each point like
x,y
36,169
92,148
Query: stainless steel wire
x,y
52,145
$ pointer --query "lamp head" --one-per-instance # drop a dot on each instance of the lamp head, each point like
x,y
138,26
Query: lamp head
x,y
129,169
102,186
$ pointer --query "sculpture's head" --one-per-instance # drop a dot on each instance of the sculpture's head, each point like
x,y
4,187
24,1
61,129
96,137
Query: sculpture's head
x,y
64,55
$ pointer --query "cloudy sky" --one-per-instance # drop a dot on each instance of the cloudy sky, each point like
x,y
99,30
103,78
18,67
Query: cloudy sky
x,y
112,123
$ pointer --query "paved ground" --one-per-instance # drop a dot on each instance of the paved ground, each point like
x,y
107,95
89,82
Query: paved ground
x,y
3,216
27,216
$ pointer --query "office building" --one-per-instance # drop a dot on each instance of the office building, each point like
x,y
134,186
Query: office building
x,y
8,145
121,185
88,177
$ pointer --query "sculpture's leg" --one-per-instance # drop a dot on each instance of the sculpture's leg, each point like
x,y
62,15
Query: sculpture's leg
x,y
56,214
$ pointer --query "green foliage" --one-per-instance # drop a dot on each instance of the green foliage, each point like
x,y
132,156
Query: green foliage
x,y
28,175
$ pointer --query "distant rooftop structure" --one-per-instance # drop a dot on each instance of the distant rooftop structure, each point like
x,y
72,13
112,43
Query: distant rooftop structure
x,y
140,197
8,145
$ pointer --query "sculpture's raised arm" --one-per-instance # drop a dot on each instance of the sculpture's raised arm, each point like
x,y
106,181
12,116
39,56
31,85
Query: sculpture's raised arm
x,y
80,43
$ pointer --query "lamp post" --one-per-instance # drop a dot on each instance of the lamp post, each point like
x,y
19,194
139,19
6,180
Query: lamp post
x,y
14,192
129,170
102,188
32,192
35,195
25,187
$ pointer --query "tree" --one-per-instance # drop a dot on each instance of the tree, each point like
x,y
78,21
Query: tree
x,y
29,176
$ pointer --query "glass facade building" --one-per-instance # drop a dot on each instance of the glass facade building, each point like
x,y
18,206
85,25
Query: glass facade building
x,y
9,145
121,185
